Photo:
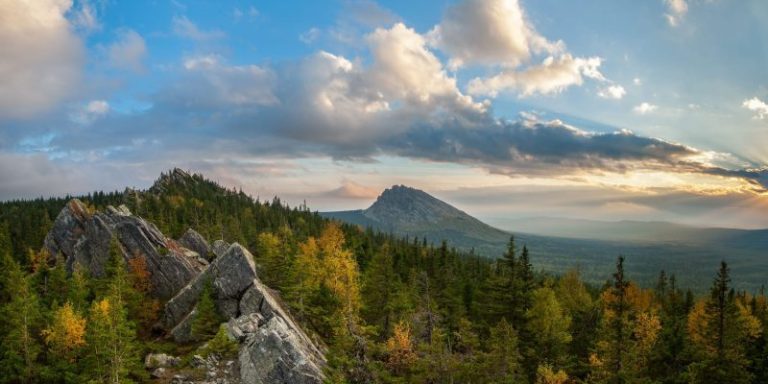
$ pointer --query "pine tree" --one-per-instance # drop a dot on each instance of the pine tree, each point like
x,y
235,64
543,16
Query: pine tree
x,y
113,353
502,362
273,259
719,332
22,319
207,319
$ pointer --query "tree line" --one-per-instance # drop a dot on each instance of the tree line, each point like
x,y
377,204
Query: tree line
x,y
389,309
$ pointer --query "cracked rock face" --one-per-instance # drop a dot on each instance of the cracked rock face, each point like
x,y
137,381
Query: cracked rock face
x,y
196,242
83,238
273,348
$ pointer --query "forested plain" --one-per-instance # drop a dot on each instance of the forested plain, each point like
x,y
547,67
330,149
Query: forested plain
x,y
385,308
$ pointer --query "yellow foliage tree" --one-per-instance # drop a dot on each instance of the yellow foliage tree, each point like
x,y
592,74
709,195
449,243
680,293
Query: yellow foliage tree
x,y
546,375
66,335
399,347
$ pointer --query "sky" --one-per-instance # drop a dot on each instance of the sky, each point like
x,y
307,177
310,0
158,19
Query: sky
x,y
597,109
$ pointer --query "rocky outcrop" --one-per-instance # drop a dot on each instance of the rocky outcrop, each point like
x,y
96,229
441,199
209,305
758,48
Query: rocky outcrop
x,y
273,348
219,247
83,237
196,242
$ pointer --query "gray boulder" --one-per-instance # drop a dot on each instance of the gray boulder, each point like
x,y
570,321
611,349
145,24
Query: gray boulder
x,y
83,237
196,242
273,348
219,247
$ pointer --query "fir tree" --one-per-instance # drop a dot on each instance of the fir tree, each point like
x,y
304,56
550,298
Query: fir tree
x,y
22,319
207,319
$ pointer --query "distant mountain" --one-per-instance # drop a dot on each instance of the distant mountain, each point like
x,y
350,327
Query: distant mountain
x,y
628,230
560,244
408,211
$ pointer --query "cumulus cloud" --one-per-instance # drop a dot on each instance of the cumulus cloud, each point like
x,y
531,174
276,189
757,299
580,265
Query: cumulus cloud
x,y
128,51
645,108
554,75
183,27
497,33
759,107
42,57
490,32
612,92
676,10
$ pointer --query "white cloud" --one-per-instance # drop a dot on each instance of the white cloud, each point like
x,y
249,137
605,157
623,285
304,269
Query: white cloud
x,y
405,69
637,81
202,62
211,83
552,76
612,92
758,106
183,27
490,32
41,56
310,35
128,51
90,112
676,10
644,108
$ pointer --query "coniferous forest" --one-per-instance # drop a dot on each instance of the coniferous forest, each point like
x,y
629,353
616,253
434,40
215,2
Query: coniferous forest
x,y
385,309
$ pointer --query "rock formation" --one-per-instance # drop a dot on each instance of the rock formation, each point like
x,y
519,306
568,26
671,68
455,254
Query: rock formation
x,y
273,348
83,237
196,242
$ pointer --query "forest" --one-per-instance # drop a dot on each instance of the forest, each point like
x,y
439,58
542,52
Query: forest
x,y
386,309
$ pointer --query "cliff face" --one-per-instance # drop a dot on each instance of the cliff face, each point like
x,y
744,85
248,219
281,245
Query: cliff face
x,y
273,347
83,237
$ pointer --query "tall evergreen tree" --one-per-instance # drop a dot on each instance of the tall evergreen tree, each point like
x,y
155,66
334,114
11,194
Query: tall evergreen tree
x,y
720,334
21,324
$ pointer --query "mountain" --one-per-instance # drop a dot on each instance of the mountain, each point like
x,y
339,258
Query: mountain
x,y
408,211
557,245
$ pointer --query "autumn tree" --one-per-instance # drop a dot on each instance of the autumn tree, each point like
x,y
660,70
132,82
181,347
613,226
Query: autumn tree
x,y
65,339
629,330
720,330
400,350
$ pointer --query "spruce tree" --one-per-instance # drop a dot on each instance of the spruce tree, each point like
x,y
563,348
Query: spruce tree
x,y
723,337
207,319
22,318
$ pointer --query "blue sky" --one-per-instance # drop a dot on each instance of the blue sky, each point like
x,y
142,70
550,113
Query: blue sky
x,y
599,109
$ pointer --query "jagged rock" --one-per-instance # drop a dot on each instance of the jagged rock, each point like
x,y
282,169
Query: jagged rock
x,y
160,360
273,348
194,241
219,247
83,238
230,275
275,354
